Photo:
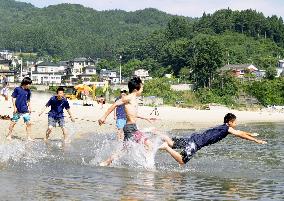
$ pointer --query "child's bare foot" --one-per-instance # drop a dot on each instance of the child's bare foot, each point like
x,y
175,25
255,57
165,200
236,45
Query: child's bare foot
x,y
106,162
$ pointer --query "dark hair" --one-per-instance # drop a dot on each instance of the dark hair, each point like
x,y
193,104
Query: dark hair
x,y
26,81
59,89
134,83
229,117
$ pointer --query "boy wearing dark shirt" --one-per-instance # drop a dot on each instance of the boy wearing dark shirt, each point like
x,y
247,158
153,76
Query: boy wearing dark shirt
x,y
22,108
56,114
190,145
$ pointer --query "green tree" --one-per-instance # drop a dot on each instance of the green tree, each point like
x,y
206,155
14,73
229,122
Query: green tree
x,y
207,57
271,73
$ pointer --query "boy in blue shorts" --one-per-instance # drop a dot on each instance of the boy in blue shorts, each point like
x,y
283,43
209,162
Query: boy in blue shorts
x,y
190,145
56,114
120,116
22,108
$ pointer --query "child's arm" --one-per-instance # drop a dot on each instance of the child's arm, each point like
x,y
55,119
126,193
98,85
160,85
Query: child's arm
x,y
42,111
46,106
111,108
114,113
14,104
70,115
29,106
146,118
245,135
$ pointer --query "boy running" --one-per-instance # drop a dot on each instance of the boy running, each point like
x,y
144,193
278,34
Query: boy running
x,y
190,145
56,114
130,102
22,107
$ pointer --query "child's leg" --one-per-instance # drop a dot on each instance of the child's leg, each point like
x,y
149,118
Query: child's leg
x,y
115,155
148,145
47,133
165,138
28,129
9,135
27,120
65,135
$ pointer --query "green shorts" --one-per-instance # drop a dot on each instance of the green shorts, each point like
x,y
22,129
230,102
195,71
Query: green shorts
x,y
17,116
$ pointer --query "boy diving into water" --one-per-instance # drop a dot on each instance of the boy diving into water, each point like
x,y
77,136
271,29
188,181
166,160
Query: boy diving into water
x,y
130,130
190,145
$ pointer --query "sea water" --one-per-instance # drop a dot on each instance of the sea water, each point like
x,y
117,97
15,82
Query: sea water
x,y
233,169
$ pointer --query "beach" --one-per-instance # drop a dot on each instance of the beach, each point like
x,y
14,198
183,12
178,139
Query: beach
x,y
169,118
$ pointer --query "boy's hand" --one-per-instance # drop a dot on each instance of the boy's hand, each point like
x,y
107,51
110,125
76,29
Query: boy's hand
x,y
261,142
101,121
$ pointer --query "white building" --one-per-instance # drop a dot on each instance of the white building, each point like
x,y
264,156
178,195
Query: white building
x,y
87,74
76,67
142,73
6,55
47,73
280,68
109,75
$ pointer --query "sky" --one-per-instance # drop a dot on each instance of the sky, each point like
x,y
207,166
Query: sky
x,y
190,8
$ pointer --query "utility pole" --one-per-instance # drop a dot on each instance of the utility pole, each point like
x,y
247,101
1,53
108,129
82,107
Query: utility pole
x,y
21,69
120,57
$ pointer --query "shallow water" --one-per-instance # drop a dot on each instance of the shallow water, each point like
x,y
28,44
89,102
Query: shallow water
x,y
232,169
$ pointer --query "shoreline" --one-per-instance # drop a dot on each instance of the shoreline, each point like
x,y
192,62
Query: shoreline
x,y
169,118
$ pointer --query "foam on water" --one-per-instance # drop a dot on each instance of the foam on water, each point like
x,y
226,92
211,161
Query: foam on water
x,y
130,154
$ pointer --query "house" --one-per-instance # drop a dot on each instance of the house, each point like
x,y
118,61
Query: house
x,y
75,68
280,68
142,73
109,75
47,73
239,70
6,55
87,74
9,74
5,65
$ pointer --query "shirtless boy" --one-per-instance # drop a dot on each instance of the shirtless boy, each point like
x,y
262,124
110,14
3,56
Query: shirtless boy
x,y
130,130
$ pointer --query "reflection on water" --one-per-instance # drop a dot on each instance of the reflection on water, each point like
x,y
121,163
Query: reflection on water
x,y
230,170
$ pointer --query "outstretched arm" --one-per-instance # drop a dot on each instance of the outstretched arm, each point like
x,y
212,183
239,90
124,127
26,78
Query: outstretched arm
x,y
110,109
146,118
42,111
246,136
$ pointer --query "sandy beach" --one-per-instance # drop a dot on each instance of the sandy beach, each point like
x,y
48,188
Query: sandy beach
x,y
86,118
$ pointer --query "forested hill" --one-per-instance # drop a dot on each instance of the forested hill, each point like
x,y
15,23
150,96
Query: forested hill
x,y
73,30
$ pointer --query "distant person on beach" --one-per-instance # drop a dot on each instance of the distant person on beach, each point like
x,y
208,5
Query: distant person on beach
x,y
191,144
131,133
56,115
22,107
5,90
101,101
120,116
85,94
